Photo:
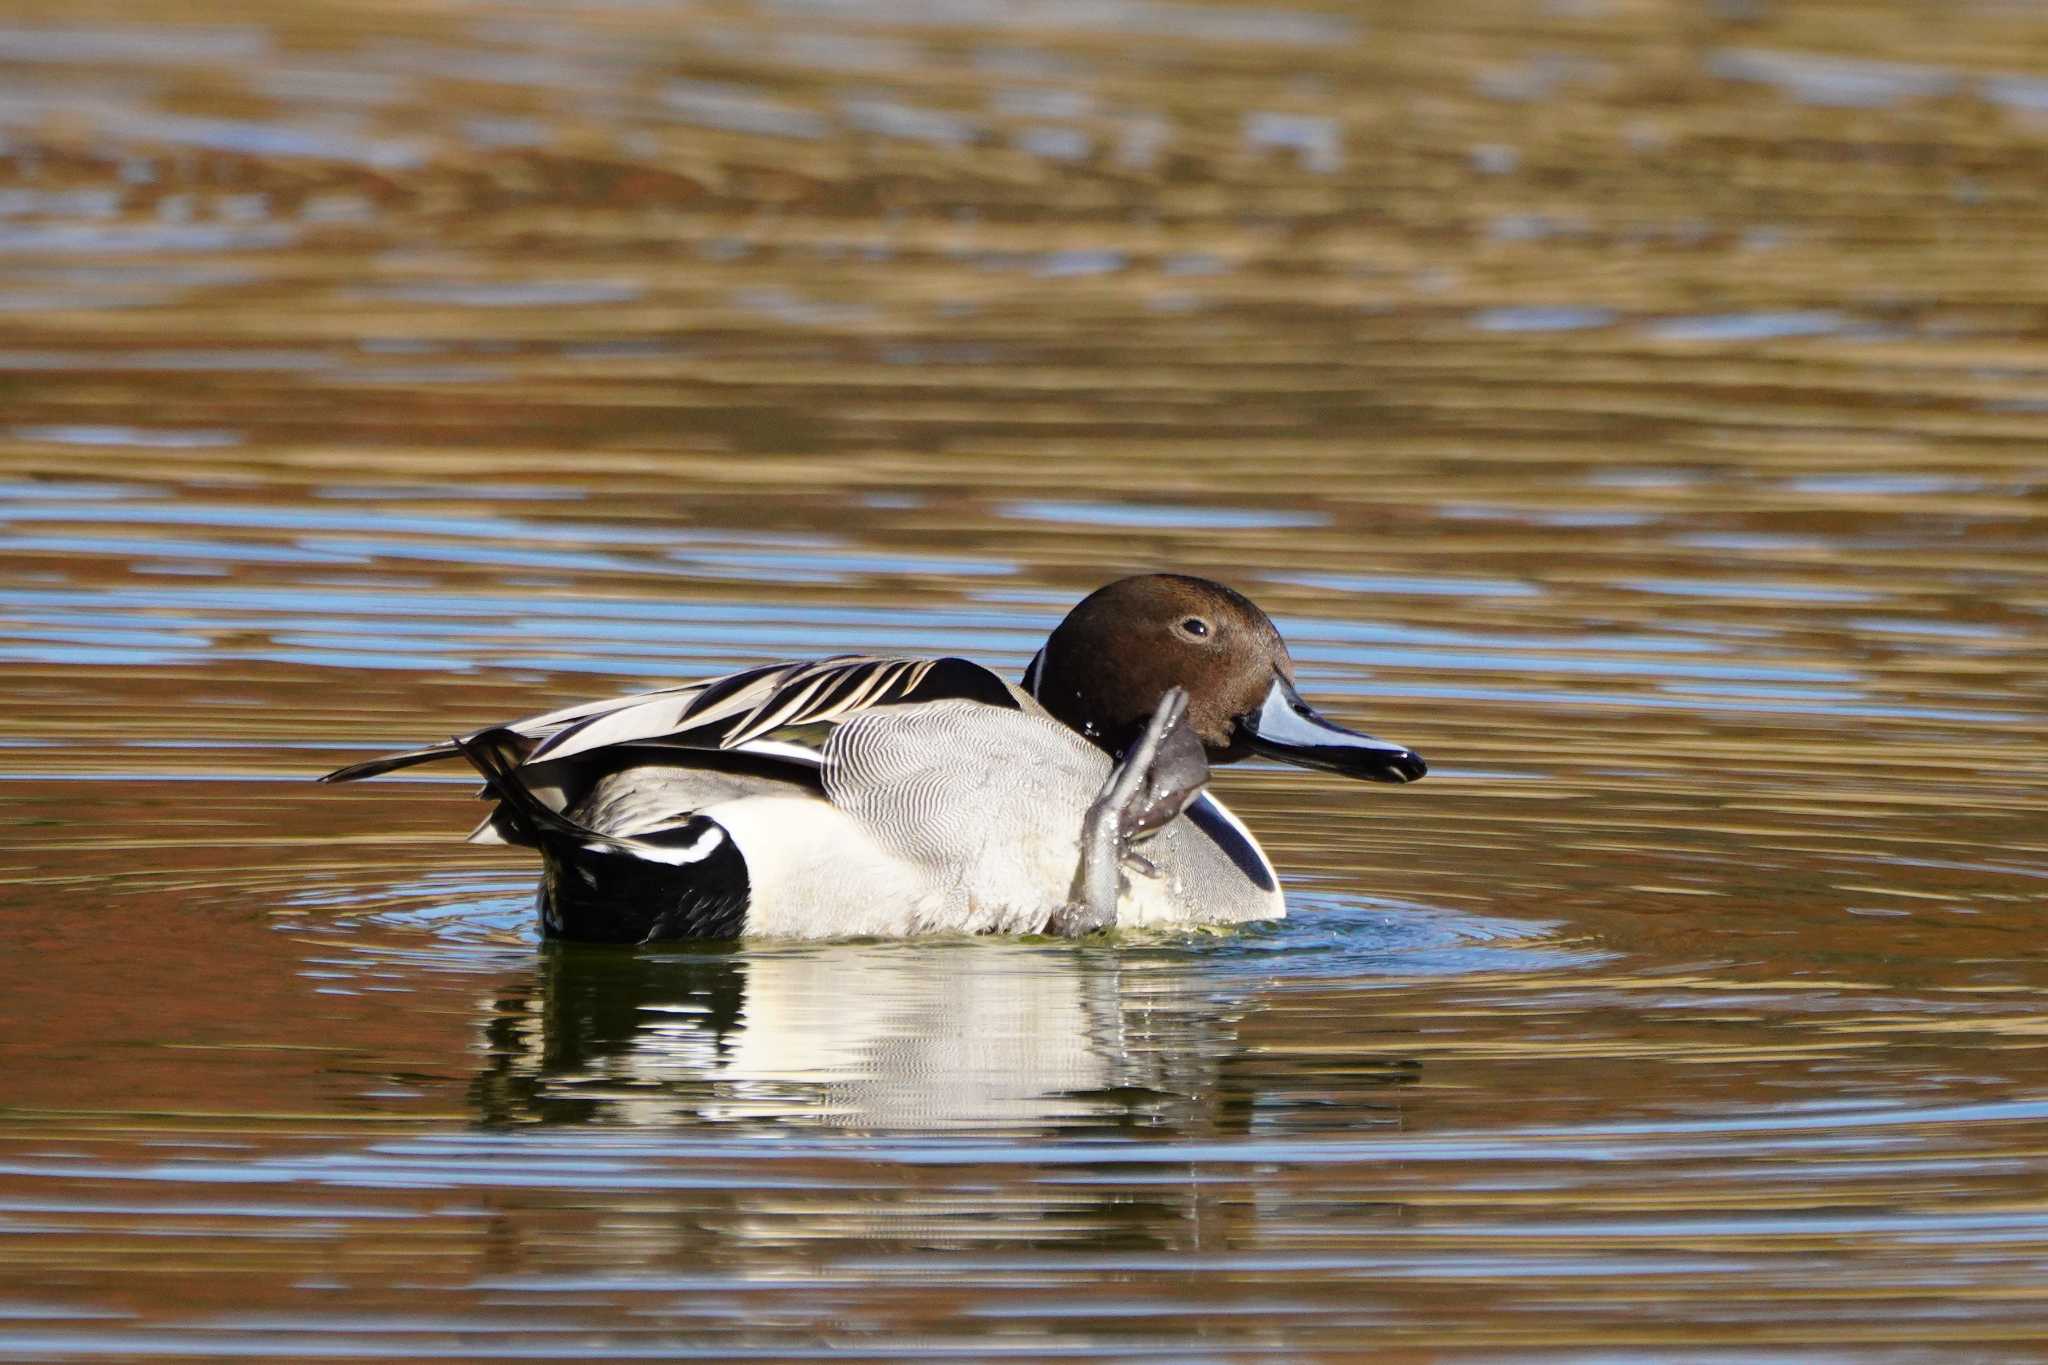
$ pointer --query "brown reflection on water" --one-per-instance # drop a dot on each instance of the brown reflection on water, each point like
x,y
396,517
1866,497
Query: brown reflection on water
x,y
1639,410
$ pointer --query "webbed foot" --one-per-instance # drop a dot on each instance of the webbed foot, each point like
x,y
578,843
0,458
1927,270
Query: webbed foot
x,y
1151,785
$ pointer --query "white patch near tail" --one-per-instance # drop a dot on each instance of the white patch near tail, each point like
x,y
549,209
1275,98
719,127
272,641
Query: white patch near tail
x,y
696,851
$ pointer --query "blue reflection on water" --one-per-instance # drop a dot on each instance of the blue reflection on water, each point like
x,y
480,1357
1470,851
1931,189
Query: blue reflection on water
x,y
1396,584
1542,319
1737,591
151,438
1143,514
1747,326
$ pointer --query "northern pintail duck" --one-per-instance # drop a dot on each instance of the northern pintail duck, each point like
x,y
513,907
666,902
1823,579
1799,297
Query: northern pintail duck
x,y
896,796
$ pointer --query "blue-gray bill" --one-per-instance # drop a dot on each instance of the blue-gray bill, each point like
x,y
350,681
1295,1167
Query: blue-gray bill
x,y
1289,729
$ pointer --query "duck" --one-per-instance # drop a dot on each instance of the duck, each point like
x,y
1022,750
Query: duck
x,y
883,796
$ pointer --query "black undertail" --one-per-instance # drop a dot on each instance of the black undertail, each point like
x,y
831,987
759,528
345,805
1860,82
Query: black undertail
x,y
688,881
602,895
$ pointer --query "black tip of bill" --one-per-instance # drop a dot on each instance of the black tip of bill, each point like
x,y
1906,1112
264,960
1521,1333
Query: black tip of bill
x,y
1287,728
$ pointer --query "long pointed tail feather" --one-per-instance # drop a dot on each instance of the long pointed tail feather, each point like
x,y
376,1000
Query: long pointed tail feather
x,y
387,763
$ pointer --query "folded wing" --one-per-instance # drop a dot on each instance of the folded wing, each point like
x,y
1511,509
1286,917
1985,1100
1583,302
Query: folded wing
x,y
781,711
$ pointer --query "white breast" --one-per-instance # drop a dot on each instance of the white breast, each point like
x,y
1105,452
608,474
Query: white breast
x,y
956,817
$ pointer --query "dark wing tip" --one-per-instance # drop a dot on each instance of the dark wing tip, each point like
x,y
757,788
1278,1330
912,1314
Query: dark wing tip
x,y
495,756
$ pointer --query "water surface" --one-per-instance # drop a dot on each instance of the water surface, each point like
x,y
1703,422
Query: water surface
x,y
1640,410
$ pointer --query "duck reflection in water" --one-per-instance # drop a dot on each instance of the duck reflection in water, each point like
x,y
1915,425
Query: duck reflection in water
x,y
861,1036
873,1037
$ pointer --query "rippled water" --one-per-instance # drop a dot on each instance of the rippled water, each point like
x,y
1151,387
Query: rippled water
x,y
1641,410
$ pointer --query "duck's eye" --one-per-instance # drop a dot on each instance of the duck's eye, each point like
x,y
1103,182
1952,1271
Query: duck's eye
x,y
1195,626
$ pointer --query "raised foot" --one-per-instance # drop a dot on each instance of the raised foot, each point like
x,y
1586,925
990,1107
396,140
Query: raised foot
x,y
1153,782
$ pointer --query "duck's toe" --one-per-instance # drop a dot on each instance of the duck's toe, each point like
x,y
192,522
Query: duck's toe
x,y
1168,776
1153,783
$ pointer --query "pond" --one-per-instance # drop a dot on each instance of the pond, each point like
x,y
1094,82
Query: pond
x,y
1641,410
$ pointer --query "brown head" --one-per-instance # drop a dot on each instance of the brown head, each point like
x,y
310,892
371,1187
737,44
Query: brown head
x,y
1104,669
